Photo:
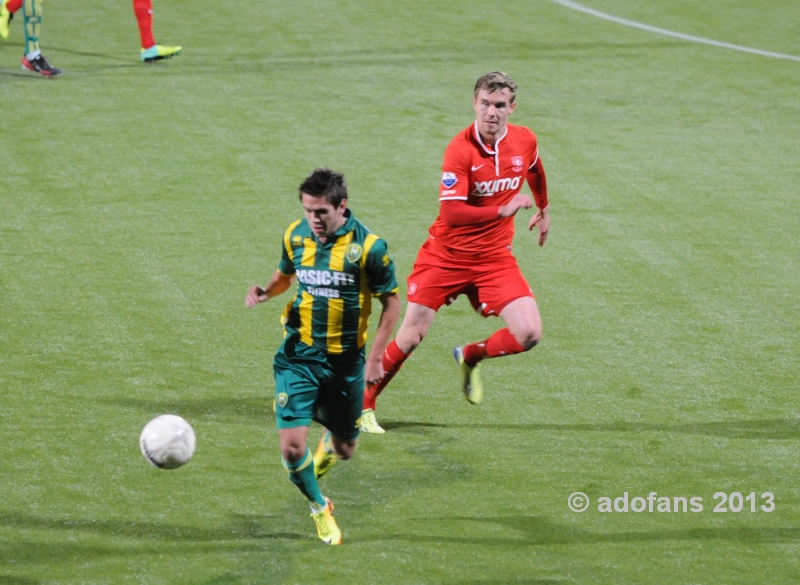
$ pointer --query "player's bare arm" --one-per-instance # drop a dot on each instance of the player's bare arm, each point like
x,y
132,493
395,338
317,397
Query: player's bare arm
x,y
277,284
389,315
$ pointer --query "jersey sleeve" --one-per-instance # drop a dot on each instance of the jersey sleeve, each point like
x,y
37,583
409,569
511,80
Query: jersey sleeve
x,y
379,269
459,213
286,264
455,174
535,177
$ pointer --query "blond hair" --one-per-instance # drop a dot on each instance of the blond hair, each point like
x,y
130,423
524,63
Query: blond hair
x,y
496,81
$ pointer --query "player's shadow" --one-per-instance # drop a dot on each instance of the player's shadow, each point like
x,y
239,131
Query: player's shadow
x,y
512,582
20,75
540,531
393,425
746,429
109,56
239,526
255,409
9,580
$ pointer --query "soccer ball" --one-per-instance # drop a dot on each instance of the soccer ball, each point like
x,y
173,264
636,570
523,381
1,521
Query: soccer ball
x,y
167,441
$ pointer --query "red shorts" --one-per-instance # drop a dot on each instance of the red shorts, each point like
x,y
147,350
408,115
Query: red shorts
x,y
490,283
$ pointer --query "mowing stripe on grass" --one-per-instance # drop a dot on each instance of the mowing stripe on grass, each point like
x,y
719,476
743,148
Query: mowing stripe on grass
x,y
669,33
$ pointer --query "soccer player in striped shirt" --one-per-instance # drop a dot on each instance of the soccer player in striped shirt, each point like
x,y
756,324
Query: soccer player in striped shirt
x,y
320,368
468,250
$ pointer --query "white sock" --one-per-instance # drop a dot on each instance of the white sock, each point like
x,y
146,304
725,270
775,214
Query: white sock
x,y
317,508
33,54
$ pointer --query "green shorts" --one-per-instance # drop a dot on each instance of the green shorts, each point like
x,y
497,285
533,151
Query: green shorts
x,y
311,385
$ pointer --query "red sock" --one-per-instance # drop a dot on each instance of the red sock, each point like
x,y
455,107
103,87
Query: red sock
x,y
393,359
500,343
144,15
13,5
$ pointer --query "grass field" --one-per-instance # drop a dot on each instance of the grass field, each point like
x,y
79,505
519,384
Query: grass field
x,y
138,203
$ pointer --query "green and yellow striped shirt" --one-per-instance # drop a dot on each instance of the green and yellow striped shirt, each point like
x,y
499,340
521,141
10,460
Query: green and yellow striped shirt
x,y
335,284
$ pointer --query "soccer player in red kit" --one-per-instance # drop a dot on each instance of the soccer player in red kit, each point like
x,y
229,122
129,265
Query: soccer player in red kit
x,y
151,50
468,250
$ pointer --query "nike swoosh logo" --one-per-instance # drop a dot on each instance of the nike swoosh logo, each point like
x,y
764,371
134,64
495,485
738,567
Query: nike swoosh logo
x,y
476,168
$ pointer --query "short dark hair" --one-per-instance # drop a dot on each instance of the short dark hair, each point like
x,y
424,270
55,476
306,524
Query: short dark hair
x,y
324,182
496,81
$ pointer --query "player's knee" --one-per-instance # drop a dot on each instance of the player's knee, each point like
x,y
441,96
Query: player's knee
x,y
413,342
410,339
292,451
529,337
344,449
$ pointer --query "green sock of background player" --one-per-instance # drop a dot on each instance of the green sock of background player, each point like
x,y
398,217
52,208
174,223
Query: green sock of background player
x,y
301,474
32,15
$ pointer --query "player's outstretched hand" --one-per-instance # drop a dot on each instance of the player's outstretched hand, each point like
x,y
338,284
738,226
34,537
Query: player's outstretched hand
x,y
542,221
255,295
520,201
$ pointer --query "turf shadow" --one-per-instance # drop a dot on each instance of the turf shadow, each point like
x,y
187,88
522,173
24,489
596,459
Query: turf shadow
x,y
512,582
399,424
540,531
239,526
750,429
251,408
89,54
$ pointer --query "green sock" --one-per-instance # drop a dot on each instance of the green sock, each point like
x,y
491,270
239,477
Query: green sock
x,y
32,16
301,474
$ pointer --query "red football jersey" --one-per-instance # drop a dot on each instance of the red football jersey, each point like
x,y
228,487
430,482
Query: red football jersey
x,y
484,175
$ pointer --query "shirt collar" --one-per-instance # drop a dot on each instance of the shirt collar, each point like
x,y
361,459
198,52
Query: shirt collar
x,y
347,226
483,146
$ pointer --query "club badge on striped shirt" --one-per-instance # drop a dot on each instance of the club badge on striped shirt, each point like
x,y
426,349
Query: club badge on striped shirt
x,y
354,252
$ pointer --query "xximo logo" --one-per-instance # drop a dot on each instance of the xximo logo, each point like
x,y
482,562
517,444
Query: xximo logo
x,y
489,188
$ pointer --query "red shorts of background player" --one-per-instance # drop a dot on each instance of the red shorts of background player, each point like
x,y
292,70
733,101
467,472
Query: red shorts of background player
x,y
490,284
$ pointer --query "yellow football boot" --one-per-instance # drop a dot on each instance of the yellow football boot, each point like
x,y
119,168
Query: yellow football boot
x,y
327,530
5,18
325,456
471,383
158,52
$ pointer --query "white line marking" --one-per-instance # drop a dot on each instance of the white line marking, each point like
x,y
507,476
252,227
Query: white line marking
x,y
669,33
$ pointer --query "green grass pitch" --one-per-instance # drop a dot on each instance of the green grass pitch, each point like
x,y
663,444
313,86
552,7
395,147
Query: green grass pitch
x,y
138,203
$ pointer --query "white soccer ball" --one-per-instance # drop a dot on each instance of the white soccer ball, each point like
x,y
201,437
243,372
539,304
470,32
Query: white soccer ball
x,y
167,441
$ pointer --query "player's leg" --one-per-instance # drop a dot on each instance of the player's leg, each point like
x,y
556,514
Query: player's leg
x,y
340,399
151,50
7,10
503,292
415,326
297,460
433,282
522,332
296,391
524,322
33,60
